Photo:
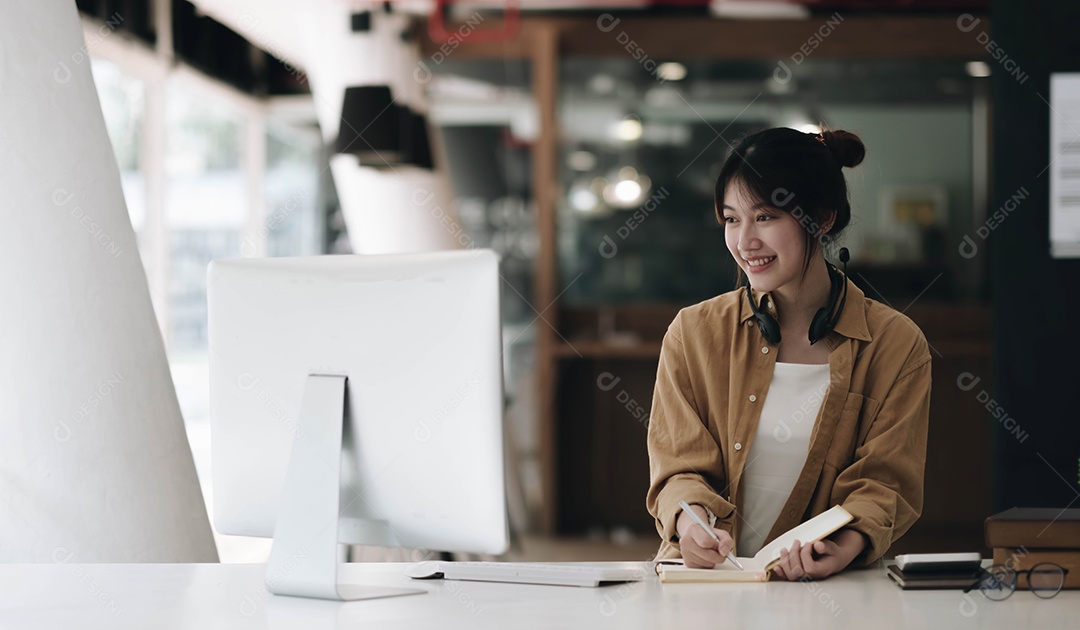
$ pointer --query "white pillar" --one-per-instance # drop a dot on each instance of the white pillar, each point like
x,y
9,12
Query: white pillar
x,y
404,209
94,461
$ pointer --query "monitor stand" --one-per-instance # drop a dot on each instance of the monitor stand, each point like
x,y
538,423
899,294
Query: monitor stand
x,y
304,557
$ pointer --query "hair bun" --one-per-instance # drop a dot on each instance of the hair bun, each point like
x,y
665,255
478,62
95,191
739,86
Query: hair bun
x,y
845,146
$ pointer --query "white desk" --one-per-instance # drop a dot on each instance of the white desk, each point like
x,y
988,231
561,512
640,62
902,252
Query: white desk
x,y
207,596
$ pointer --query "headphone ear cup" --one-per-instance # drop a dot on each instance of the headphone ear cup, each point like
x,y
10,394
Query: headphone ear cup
x,y
819,326
768,327
766,323
823,321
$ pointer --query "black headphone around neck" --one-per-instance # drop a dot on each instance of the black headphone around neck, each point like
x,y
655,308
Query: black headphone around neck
x,y
824,320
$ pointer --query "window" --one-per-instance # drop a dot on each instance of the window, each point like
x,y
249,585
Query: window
x,y
227,193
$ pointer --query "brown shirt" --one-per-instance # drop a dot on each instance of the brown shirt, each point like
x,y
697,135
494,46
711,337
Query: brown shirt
x,y
868,445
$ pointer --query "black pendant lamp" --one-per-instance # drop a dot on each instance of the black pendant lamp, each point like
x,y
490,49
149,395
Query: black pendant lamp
x,y
381,133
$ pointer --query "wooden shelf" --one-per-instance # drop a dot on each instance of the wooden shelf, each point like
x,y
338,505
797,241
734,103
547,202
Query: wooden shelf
x,y
894,36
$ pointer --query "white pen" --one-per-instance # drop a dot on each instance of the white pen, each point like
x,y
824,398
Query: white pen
x,y
709,531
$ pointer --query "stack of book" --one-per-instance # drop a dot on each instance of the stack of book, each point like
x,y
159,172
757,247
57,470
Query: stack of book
x,y
1022,537
936,570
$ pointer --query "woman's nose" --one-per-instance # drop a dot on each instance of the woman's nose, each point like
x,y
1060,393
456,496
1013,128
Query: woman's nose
x,y
747,238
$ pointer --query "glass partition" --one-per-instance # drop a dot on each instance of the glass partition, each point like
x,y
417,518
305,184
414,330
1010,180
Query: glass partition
x,y
641,151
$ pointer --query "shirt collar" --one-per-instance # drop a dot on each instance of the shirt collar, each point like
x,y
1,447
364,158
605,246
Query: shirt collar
x,y
852,323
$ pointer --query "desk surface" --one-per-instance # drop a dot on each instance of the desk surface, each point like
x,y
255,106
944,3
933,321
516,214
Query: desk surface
x,y
207,596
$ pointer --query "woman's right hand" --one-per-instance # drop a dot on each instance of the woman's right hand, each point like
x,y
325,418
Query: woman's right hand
x,y
699,550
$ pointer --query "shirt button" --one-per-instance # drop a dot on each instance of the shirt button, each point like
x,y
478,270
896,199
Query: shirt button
x,y
738,446
753,398
765,350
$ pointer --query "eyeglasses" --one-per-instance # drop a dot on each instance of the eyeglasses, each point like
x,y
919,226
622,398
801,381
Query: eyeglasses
x,y
999,581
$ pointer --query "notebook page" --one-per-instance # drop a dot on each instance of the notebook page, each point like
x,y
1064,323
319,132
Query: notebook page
x,y
813,530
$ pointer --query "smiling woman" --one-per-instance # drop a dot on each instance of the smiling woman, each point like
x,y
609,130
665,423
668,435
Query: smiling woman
x,y
723,434
784,173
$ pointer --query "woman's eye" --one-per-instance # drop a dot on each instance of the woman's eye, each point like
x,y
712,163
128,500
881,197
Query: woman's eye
x,y
763,217
729,219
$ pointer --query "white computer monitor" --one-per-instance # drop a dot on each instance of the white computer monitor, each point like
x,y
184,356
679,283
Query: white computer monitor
x,y
369,386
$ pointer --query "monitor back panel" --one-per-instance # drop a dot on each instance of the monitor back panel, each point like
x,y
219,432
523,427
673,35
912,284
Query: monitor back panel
x,y
419,338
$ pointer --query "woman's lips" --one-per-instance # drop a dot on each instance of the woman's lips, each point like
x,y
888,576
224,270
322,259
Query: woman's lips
x,y
759,268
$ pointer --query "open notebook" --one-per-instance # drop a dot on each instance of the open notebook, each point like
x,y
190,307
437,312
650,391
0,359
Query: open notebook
x,y
758,568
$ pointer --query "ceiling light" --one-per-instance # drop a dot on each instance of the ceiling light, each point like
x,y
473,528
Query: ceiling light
x,y
585,197
627,189
628,129
380,132
977,68
671,71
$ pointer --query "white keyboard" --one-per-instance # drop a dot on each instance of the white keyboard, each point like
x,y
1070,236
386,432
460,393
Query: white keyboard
x,y
525,573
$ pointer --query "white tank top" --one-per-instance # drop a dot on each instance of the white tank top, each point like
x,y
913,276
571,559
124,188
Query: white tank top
x,y
779,448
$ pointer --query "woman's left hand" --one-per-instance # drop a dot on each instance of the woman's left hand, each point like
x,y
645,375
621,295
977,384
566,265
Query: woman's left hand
x,y
822,559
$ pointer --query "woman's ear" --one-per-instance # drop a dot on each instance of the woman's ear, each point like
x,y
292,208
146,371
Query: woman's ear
x,y
826,225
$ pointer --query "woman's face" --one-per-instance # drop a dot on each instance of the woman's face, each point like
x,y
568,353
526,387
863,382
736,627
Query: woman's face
x,y
768,244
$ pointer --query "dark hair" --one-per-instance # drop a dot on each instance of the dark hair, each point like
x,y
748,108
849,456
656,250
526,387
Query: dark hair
x,y
798,173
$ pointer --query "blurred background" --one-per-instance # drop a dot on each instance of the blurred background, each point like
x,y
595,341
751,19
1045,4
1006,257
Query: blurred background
x,y
582,141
